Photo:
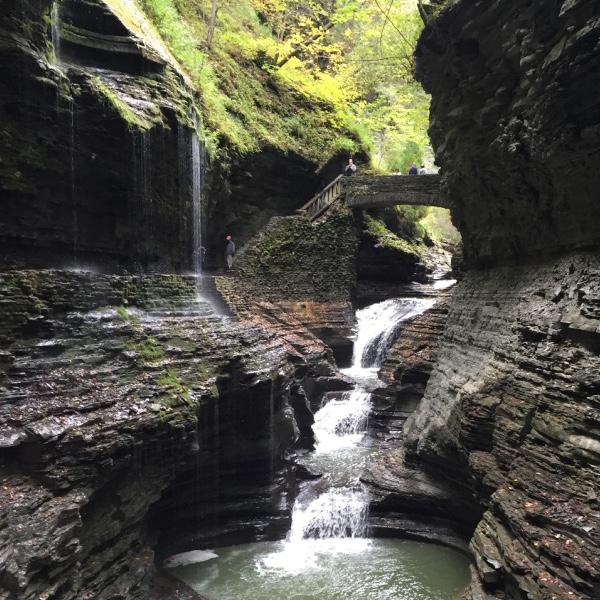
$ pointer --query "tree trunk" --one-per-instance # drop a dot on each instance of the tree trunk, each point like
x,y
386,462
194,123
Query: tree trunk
x,y
211,25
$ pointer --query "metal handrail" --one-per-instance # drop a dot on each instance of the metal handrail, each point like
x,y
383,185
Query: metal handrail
x,y
323,200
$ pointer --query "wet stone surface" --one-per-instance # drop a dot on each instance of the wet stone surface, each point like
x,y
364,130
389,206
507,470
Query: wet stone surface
x,y
103,407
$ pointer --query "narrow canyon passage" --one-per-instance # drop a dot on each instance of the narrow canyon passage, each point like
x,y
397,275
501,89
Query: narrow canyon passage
x,y
145,414
329,552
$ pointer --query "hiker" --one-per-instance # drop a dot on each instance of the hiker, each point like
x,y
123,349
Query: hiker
x,y
396,172
413,170
423,170
350,169
229,251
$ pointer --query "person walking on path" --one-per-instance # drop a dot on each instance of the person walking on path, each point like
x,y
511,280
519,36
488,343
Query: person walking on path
x,y
229,251
350,169
423,170
413,170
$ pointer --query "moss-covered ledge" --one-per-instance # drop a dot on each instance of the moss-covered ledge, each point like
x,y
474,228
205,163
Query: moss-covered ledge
x,y
291,259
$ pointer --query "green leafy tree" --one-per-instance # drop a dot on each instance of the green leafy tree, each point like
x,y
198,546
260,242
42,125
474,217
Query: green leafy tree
x,y
300,75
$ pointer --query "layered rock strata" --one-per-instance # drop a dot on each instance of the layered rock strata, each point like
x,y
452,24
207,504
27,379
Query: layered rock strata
x,y
513,406
92,122
515,122
103,163
506,438
111,396
405,373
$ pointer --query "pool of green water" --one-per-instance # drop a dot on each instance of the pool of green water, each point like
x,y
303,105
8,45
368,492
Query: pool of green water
x,y
331,569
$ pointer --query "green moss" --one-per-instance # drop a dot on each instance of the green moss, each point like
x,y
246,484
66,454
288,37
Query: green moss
x,y
150,350
134,121
386,238
174,389
125,316
123,313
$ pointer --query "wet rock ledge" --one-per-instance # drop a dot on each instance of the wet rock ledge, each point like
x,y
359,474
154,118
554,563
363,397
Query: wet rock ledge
x,y
116,410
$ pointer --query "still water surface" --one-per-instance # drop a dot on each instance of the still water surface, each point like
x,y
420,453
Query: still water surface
x,y
331,569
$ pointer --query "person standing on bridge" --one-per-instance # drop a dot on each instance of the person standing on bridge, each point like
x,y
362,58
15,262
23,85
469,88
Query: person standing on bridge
x,y
350,169
413,170
229,251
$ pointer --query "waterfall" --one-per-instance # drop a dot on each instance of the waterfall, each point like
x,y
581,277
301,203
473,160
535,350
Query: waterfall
x,y
338,513
55,30
191,167
342,423
378,326
74,219
143,207
197,181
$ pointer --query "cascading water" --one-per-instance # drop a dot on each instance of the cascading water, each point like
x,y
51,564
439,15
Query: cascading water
x,y
327,554
378,326
197,168
191,164
143,207
55,30
338,513
74,217
340,426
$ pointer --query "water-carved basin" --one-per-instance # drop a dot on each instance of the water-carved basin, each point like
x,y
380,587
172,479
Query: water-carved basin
x,y
331,569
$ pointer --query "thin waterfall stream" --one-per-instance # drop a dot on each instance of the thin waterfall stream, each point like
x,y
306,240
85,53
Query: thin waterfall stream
x,y
328,553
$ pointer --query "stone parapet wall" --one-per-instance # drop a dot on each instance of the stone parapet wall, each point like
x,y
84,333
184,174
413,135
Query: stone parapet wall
x,y
369,191
293,260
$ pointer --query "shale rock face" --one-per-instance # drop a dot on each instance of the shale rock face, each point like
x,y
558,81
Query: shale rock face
x,y
315,272
98,149
405,373
507,434
515,121
512,413
114,391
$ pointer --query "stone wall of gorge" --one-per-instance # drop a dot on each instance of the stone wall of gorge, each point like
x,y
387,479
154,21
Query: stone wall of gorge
x,y
515,122
507,438
96,143
101,158
511,421
127,412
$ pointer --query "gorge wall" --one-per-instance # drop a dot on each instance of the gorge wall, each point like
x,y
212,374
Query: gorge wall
x,y
120,394
102,157
507,437
128,412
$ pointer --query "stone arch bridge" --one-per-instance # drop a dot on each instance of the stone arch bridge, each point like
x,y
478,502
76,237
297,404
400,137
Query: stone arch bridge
x,y
370,191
